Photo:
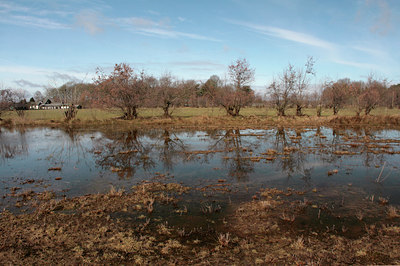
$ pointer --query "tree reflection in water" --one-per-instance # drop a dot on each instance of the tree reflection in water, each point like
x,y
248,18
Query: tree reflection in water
x,y
13,144
170,149
123,152
236,154
294,157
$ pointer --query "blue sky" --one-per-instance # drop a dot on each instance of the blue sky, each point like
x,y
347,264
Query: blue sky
x,y
47,43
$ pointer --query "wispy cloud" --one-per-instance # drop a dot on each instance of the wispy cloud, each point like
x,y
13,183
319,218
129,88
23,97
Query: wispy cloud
x,y
355,64
20,15
160,28
333,52
27,83
382,23
43,74
63,77
90,21
197,63
166,33
34,22
370,51
285,34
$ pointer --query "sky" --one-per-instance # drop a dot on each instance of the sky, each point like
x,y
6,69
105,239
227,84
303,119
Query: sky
x,y
47,43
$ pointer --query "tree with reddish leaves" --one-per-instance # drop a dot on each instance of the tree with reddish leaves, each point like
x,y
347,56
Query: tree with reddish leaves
x,y
123,89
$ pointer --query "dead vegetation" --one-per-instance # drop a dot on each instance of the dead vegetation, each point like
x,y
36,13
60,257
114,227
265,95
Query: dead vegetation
x,y
277,226
280,230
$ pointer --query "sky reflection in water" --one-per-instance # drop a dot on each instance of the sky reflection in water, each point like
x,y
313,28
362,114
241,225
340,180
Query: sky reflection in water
x,y
93,160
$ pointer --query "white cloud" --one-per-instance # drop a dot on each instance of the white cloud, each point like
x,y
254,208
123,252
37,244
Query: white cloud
x,y
37,76
161,28
31,17
370,51
285,34
31,21
355,64
90,21
332,51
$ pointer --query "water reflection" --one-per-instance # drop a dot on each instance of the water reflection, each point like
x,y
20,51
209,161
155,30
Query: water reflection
x,y
13,143
123,152
91,158
171,149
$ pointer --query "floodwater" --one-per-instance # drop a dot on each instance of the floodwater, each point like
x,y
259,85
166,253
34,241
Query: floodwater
x,y
224,166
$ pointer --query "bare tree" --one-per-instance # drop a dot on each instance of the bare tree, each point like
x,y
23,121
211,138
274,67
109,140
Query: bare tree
x,y
6,100
122,88
211,88
371,94
20,104
282,89
335,94
301,84
38,96
241,74
168,93
237,95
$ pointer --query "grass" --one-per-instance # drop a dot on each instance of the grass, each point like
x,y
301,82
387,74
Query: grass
x,y
190,116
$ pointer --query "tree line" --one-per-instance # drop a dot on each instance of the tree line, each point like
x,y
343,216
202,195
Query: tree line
x,y
130,90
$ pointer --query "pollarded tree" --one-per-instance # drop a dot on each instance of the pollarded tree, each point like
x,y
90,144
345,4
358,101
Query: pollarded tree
x,y
168,93
301,84
282,89
355,91
122,88
237,95
392,96
371,94
336,93
210,88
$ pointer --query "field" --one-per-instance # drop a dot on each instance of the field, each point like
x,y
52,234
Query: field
x,y
188,116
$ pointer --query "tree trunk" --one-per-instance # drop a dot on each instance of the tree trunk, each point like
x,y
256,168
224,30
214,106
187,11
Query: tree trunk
x,y
70,113
166,110
131,113
335,110
319,110
281,111
237,110
368,110
298,110
230,110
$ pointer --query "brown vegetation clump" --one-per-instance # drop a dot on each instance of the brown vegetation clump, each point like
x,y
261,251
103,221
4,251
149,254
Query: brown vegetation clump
x,y
285,233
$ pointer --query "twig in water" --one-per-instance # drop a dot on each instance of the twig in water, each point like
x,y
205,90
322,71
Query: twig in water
x,y
380,179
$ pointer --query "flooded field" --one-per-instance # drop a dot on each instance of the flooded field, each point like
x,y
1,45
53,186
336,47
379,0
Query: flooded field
x,y
212,190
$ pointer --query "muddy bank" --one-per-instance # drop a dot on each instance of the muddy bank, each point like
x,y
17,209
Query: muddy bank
x,y
277,226
387,121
